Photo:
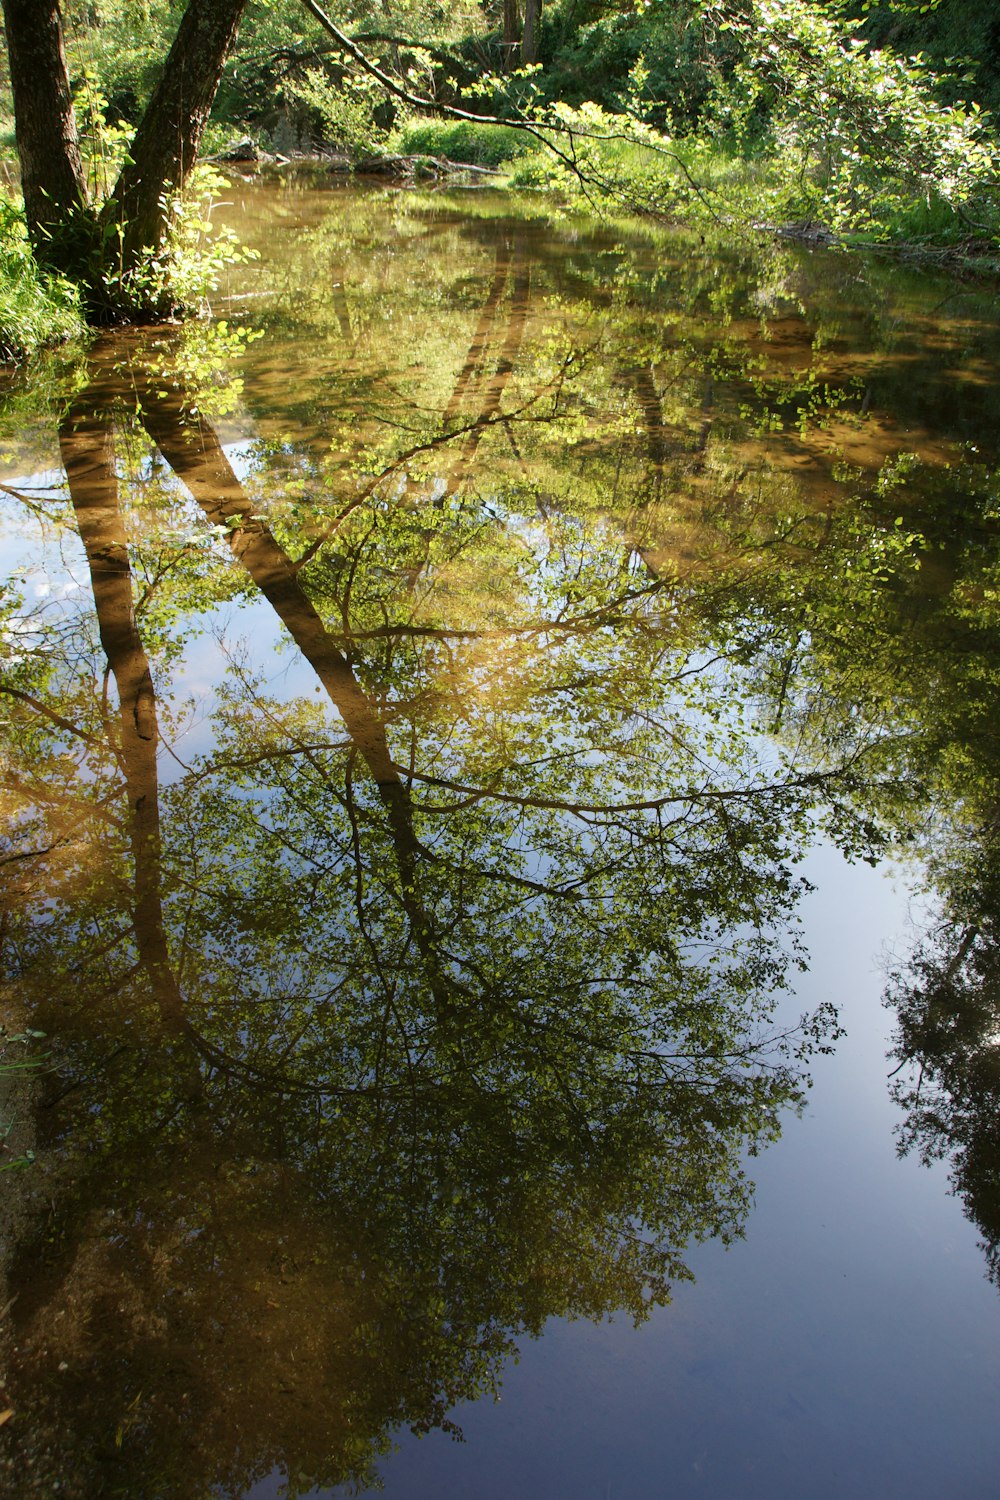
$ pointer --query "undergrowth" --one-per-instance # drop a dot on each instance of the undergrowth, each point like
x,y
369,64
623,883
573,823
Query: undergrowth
x,y
463,141
35,310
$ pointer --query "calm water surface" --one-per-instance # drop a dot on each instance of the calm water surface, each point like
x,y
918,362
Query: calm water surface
x,y
500,873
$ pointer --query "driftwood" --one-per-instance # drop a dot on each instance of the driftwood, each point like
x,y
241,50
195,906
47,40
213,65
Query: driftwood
x,y
394,165
806,231
388,164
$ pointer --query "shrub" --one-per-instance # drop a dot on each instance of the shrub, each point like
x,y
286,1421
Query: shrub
x,y
34,310
461,140
854,136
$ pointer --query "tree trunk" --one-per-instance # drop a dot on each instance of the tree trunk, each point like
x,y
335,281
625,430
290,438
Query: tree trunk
x,y
529,42
52,178
165,146
511,33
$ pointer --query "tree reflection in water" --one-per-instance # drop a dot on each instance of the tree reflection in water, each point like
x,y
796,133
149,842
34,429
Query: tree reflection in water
x,y
434,999
389,1028
947,1041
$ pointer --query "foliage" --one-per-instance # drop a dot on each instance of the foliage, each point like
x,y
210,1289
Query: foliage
x,y
961,43
946,1044
853,136
115,46
34,309
657,61
284,79
461,140
198,251
103,140
802,121
347,108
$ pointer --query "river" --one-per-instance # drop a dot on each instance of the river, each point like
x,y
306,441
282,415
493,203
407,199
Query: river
x,y
500,938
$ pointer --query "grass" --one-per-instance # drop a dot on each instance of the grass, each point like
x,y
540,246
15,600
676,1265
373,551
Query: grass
x,y
34,310
33,313
461,140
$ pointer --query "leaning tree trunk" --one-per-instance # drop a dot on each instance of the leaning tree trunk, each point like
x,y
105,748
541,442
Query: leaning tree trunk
x,y
52,177
165,146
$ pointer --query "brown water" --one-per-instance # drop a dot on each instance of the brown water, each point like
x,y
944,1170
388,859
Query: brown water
x,y
435,691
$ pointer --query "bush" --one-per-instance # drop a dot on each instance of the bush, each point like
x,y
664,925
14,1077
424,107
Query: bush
x,y
596,55
34,311
853,136
461,140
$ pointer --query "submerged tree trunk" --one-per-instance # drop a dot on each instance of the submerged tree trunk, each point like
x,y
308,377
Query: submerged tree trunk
x,y
166,143
52,177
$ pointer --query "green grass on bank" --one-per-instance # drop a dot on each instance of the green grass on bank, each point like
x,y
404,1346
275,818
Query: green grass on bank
x,y
34,310
33,313
464,141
